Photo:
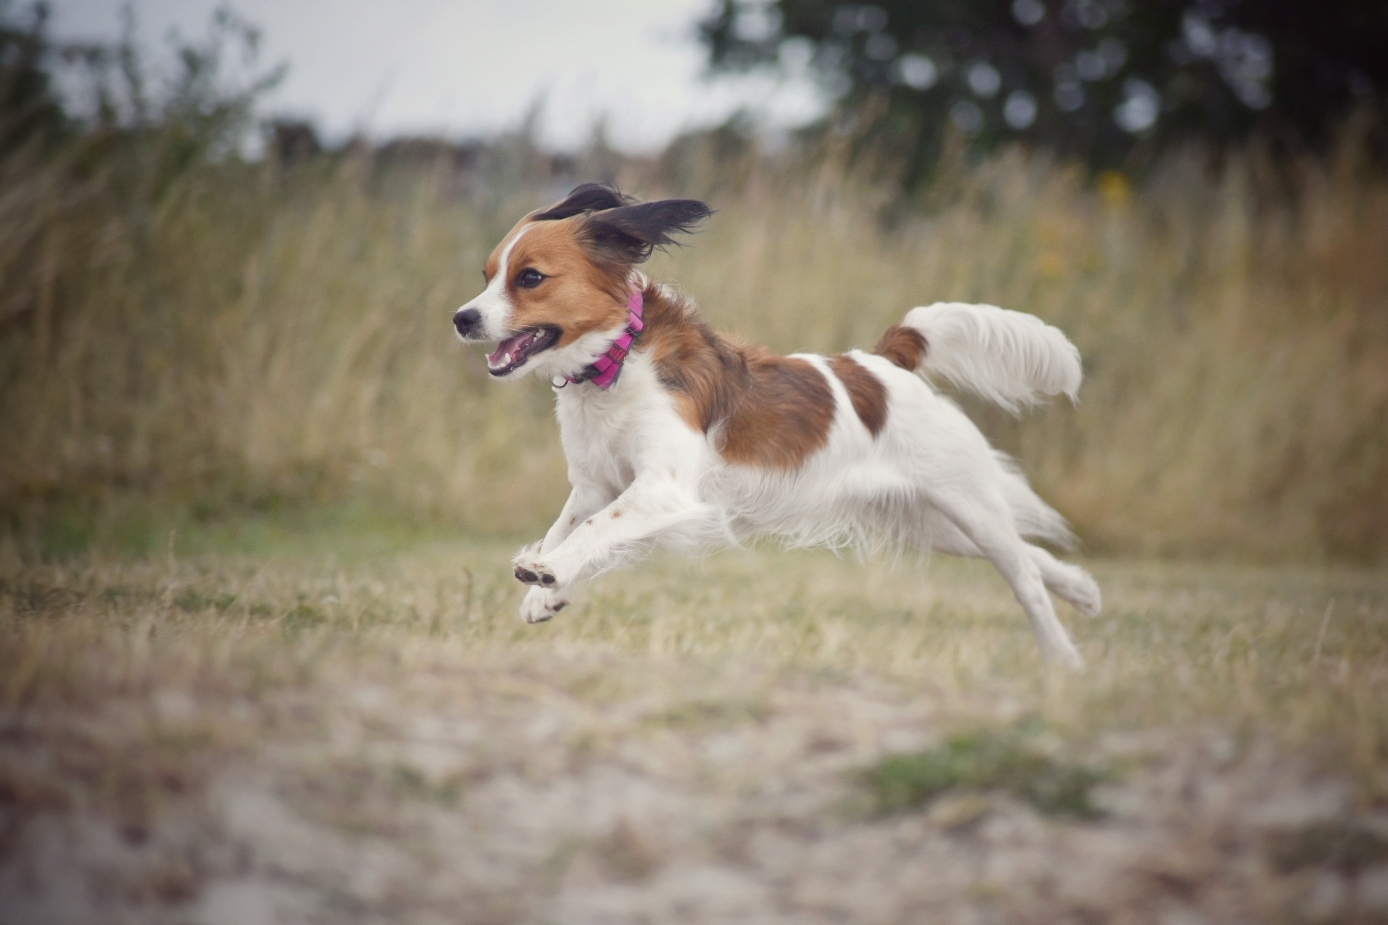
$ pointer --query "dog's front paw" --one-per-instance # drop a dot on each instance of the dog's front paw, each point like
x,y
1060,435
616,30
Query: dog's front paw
x,y
541,604
530,569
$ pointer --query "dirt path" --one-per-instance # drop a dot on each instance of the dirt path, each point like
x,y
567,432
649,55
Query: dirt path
x,y
486,794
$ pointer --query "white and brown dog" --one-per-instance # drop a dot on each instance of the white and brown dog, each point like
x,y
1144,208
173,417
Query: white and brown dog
x,y
676,437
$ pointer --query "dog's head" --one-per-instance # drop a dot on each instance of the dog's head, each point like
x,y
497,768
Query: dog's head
x,y
558,284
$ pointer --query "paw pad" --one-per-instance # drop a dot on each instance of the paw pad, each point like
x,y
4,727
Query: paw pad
x,y
531,576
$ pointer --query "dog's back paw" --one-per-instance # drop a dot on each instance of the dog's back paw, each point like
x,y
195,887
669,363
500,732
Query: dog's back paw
x,y
1073,584
1083,592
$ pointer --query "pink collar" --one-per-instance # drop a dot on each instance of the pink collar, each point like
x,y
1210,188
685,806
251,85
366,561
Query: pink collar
x,y
603,372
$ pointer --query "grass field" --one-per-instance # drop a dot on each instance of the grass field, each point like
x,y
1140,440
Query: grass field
x,y
259,655
330,717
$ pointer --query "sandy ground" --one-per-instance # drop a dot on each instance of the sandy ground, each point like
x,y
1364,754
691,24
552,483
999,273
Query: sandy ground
x,y
498,795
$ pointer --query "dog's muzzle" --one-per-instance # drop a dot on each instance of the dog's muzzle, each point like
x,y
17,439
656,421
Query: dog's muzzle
x,y
468,322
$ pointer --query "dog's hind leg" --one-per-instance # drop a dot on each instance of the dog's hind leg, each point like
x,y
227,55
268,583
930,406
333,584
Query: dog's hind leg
x,y
983,518
1067,581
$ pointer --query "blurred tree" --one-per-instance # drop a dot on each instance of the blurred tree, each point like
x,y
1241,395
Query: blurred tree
x,y
1089,78
29,108
208,94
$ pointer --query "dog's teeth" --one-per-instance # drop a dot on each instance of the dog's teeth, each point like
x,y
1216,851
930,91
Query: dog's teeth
x,y
506,360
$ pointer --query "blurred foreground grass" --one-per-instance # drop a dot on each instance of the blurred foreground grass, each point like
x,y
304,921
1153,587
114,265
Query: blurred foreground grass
x,y
351,708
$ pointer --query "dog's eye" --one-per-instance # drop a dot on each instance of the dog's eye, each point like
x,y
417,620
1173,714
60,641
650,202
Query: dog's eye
x,y
529,278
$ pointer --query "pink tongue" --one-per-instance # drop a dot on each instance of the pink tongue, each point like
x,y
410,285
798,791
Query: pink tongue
x,y
511,345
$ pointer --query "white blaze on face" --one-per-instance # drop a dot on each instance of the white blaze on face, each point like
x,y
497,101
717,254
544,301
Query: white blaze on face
x,y
493,302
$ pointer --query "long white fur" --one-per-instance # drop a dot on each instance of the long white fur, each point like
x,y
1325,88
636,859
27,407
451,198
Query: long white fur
x,y
643,478
1007,357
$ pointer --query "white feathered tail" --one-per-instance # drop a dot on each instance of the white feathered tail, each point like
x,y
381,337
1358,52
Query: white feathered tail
x,y
1010,358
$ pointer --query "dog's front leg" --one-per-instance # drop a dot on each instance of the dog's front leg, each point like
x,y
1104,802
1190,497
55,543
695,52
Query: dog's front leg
x,y
648,509
542,602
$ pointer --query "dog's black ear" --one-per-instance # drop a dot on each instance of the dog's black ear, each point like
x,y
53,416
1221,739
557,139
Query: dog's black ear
x,y
630,233
589,197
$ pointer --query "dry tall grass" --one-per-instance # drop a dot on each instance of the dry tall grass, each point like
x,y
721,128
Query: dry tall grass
x,y
249,334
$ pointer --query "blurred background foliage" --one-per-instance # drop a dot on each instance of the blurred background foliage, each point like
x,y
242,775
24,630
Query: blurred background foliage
x,y
1109,81
203,313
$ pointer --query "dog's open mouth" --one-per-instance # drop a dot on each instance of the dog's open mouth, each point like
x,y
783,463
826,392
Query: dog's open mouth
x,y
512,352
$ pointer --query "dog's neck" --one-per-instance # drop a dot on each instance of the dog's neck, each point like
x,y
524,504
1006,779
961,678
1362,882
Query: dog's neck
x,y
705,374
603,371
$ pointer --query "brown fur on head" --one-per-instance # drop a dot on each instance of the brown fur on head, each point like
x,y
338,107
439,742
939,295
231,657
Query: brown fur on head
x,y
563,272
575,294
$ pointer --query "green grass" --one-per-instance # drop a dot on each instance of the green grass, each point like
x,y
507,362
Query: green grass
x,y
985,760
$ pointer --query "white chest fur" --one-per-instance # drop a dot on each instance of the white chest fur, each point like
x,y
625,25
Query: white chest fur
x,y
610,436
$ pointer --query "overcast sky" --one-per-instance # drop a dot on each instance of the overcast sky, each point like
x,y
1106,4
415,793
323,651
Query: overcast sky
x,y
470,67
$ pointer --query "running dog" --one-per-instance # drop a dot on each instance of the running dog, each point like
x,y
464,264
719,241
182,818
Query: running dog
x,y
677,437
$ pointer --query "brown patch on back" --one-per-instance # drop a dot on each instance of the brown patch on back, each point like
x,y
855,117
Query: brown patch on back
x,y
706,373
866,391
772,411
903,346
784,416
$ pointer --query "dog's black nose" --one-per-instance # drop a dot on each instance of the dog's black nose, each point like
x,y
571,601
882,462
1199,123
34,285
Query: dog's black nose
x,y
468,321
